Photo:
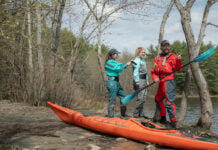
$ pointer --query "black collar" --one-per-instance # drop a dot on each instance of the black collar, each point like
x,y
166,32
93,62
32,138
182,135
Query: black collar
x,y
164,54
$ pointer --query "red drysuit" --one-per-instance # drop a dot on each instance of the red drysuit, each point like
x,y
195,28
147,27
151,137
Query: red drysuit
x,y
166,89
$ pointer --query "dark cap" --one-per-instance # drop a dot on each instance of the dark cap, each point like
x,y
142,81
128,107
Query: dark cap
x,y
113,51
164,42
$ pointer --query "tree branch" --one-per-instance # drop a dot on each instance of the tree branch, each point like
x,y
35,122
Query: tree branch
x,y
189,4
164,20
103,7
209,23
106,16
186,22
179,6
204,22
92,10
87,17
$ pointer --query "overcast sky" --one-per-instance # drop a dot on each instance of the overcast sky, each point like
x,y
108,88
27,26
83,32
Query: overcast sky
x,y
132,31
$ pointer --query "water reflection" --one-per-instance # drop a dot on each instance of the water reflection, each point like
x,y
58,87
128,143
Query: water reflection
x,y
193,110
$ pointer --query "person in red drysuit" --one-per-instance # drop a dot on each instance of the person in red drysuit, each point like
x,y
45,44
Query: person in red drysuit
x,y
163,64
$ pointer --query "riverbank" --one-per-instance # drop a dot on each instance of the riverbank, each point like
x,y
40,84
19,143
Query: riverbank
x,y
38,128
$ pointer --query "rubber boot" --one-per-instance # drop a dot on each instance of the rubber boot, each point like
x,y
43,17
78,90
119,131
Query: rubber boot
x,y
123,112
173,124
144,116
111,106
163,120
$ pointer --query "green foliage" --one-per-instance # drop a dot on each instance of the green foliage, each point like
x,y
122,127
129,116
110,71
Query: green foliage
x,y
67,41
178,47
104,48
152,52
210,69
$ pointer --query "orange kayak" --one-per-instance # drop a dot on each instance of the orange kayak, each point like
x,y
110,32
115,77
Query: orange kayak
x,y
137,129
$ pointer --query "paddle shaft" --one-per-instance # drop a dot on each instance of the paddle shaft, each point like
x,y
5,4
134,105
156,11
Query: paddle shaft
x,y
164,76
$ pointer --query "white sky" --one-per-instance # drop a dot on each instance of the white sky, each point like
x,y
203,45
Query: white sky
x,y
131,31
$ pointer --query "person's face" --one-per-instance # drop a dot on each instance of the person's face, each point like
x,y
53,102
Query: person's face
x,y
165,48
115,56
142,54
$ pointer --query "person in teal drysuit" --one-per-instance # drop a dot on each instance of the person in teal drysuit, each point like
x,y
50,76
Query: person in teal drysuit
x,y
113,69
140,81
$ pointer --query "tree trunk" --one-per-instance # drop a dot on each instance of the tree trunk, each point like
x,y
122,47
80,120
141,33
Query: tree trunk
x,y
73,57
101,65
205,120
55,37
163,23
30,60
185,93
74,52
56,24
21,56
41,88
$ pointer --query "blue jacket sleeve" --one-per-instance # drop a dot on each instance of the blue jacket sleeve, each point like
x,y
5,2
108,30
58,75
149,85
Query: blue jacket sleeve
x,y
136,67
115,66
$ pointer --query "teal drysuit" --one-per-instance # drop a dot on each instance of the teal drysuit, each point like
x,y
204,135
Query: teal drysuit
x,y
141,77
113,69
139,68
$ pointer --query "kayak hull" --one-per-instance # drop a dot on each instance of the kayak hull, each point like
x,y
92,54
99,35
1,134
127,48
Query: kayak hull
x,y
132,129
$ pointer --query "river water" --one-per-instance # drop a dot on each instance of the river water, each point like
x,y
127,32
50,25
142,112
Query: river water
x,y
192,114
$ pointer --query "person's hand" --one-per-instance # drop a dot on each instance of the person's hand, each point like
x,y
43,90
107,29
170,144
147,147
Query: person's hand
x,y
179,57
157,80
137,83
147,82
132,61
128,63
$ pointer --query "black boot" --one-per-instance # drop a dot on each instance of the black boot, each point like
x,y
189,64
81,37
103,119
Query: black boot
x,y
163,120
123,112
144,116
173,124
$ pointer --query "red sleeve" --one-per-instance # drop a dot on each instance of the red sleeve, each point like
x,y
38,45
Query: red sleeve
x,y
153,74
177,63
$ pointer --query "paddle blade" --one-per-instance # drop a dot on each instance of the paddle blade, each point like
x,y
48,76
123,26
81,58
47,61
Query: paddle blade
x,y
204,55
128,98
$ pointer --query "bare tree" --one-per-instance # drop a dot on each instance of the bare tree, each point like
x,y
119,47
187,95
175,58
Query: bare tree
x,y
103,16
193,48
30,50
163,23
185,94
74,51
21,56
58,8
41,88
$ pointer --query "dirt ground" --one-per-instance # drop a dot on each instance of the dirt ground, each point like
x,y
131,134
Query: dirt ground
x,y
38,128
